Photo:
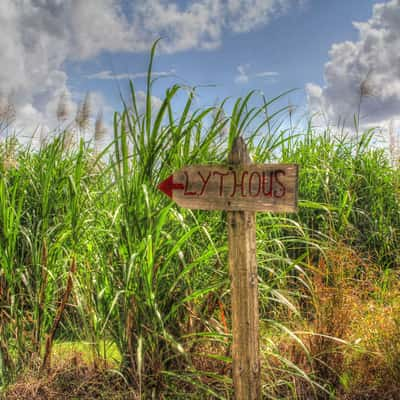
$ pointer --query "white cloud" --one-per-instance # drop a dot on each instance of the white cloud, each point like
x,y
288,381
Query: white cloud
x,y
245,15
266,74
243,76
37,37
200,23
109,75
156,102
364,74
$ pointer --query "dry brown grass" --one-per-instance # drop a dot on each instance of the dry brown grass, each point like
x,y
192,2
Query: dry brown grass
x,y
72,378
374,368
353,330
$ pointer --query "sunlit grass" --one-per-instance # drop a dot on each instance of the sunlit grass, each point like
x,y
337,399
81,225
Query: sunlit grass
x,y
68,349
150,292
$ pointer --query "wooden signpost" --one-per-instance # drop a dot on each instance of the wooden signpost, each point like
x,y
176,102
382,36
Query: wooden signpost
x,y
241,189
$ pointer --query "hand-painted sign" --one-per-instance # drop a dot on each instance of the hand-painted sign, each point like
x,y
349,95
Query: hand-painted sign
x,y
256,187
244,187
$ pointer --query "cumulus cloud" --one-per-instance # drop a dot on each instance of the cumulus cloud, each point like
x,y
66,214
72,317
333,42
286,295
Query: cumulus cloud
x,y
244,15
364,75
39,36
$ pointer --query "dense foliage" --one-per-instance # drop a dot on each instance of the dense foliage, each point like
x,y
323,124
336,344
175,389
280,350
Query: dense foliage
x,y
90,251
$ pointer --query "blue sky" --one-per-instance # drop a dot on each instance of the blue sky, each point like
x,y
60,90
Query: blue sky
x,y
293,48
234,45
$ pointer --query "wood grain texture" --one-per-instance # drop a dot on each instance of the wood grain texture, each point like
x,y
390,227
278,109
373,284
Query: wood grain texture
x,y
257,187
244,293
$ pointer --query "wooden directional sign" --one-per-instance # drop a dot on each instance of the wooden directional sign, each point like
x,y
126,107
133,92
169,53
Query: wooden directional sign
x,y
241,188
255,187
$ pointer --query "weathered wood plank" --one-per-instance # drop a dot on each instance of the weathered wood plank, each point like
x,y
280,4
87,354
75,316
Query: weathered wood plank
x,y
244,293
257,187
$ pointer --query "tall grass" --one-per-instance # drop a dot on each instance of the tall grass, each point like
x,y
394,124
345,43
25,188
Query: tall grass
x,y
91,251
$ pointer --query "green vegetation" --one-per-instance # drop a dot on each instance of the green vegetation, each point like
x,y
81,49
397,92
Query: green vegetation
x,y
91,252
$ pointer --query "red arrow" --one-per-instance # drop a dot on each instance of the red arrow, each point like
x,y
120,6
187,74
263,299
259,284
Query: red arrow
x,y
168,186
